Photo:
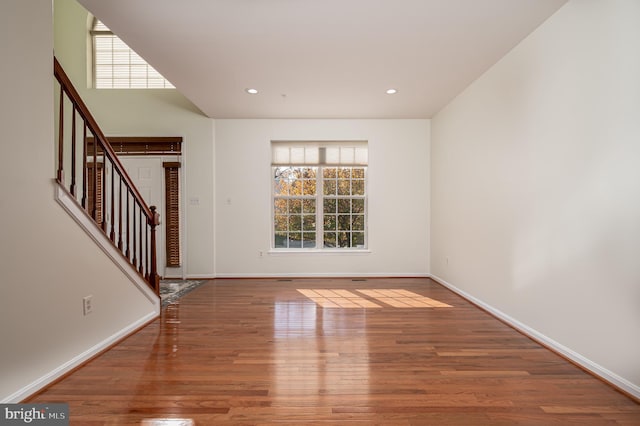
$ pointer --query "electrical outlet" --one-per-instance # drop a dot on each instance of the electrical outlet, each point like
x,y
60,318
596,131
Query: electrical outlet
x,y
87,305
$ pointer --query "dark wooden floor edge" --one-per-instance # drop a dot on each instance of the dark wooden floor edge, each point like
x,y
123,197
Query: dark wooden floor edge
x,y
543,344
85,362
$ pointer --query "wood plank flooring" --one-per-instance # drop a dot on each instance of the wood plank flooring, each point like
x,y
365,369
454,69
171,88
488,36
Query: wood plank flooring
x,y
252,352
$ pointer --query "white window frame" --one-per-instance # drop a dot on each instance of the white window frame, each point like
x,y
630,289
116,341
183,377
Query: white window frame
x,y
132,60
310,159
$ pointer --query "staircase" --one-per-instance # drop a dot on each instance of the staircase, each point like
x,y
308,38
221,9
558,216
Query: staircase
x,y
95,189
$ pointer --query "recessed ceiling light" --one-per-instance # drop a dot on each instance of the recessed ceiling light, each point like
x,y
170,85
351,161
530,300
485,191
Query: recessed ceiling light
x,y
251,91
391,91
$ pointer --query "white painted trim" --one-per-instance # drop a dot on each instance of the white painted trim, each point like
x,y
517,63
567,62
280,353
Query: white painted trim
x,y
326,275
586,363
91,228
68,366
323,252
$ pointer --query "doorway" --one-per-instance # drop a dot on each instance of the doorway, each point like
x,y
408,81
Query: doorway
x,y
154,166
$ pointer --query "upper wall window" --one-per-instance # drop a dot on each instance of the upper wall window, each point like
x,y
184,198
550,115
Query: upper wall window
x,y
116,66
319,195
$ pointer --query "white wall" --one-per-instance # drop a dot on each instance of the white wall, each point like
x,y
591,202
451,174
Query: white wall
x,y
398,197
148,113
48,263
536,186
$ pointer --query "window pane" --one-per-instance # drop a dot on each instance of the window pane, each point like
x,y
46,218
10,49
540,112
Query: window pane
x,y
357,187
280,187
357,223
330,205
357,239
309,222
344,187
280,223
329,239
103,71
104,57
357,173
329,187
281,184
103,43
295,223
344,172
137,59
139,71
295,187
155,83
309,187
121,71
138,83
309,206
329,172
295,206
119,83
309,173
280,206
309,240
104,83
344,222
121,57
153,73
344,240
357,205
281,240
329,222
295,240
344,205
118,44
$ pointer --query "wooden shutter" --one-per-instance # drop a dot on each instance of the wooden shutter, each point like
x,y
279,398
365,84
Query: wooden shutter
x,y
95,191
172,219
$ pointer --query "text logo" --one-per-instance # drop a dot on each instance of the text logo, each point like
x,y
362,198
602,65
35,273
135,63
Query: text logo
x,y
34,414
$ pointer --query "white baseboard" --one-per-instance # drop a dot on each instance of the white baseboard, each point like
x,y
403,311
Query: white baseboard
x,y
325,275
63,369
596,369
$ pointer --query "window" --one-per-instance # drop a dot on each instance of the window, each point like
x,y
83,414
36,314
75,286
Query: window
x,y
116,66
319,195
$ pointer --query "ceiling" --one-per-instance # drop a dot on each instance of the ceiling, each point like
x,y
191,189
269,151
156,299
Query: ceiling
x,y
322,58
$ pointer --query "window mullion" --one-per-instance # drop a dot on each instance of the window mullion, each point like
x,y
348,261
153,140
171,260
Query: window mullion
x,y
320,208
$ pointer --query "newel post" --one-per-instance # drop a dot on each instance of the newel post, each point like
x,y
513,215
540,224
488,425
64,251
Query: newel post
x,y
154,221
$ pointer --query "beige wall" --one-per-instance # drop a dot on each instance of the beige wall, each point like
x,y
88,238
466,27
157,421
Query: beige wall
x,y
398,197
48,263
536,186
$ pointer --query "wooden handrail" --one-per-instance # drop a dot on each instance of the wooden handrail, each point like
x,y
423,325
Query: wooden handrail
x,y
82,109
106,195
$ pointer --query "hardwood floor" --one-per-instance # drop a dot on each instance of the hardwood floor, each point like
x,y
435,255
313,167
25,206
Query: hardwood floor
x,y
251,352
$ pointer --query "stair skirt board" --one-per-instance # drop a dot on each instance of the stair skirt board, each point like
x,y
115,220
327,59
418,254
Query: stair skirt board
x,y
78,214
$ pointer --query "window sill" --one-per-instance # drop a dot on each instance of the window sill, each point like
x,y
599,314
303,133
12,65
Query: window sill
x,y
329,252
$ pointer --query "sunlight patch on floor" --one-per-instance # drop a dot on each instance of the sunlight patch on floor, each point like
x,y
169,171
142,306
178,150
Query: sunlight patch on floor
x,y
337,299
403,299
397,298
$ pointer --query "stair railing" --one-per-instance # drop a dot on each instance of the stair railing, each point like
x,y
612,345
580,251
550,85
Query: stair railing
x,y
88,168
